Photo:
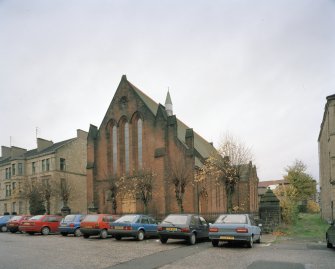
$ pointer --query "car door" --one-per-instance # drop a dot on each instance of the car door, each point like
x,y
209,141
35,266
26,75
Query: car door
x,y
331,233
145,224
205,226
199,227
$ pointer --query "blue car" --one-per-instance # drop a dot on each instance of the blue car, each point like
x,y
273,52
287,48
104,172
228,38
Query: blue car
x,y
137,226
235,228
3,222
71,225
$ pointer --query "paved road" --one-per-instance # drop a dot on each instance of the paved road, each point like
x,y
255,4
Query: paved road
x,y
55,251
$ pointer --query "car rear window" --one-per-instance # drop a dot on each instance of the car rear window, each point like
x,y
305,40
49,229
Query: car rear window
x,y
91,218
38,217
70,218
175,219
127,218
16,218
233,219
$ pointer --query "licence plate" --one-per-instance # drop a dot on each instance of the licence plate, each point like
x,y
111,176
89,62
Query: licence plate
x,y
118,227
88,226
63,224
227,237
10,224
172,229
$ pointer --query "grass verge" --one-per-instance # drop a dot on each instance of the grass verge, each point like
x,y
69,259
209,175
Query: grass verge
x,y
307,226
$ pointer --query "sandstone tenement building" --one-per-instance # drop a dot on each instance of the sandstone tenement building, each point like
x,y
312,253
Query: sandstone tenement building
x,y
326,142
139,134
50,164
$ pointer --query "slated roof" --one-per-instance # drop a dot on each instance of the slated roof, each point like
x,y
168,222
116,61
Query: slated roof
x,y
200,144
265,184
51,149
34,152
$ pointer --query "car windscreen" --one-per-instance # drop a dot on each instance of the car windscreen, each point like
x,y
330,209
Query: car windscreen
x,y
15,218
91,218
37,217
127,218
232,219
70,218
175,219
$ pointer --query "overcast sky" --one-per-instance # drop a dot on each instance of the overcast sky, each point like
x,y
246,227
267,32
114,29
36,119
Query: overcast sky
x,y
260,70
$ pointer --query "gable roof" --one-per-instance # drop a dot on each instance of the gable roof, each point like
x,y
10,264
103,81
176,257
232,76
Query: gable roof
x,y
203,147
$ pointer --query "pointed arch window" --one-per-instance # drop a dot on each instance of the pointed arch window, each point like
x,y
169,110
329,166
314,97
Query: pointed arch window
x,y
126,146
114,138
139,142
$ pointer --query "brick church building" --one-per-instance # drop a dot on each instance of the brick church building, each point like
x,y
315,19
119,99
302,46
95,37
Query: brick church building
x,y
139,134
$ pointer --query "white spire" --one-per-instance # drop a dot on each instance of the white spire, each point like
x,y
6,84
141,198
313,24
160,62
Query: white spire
x,y
168,104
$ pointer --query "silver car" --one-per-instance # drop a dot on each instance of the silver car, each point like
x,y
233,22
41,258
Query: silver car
x,y
235,228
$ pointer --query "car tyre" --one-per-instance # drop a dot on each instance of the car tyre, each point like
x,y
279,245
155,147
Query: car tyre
x,y
329,245
250,242
86,236
45,231
77,232
103,234
258,241
117,237
215,242
140,235
3,229
163,240
192,239
63,234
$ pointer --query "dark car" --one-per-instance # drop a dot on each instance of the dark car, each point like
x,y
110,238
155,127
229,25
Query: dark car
x,y
14,223
97,224
330,235
137,226
3,222
43,224
235,228
189,227
71,225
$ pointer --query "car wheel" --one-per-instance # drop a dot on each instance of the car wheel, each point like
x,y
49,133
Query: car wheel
x,y
329,245
192,240
163,240
140,235
258,241
250,242
63,234
86,236
215,242
117,237
77,232
45,231
3,229
103,234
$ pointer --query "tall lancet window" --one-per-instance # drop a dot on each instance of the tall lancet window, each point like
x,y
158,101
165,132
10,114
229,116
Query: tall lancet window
x,y
126,146
114,149
139,142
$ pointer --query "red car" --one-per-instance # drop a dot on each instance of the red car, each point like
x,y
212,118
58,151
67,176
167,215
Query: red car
x,y
14,223
43,224
97,224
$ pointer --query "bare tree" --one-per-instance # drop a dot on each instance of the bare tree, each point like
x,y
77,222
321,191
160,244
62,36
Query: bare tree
x,y
180,175
114,183
138,185
225,165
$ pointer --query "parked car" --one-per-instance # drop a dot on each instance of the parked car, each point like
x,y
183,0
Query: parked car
x,y
137,226
235,227
14,223
43,224
183,226
71,225
97,224
3,222
330,235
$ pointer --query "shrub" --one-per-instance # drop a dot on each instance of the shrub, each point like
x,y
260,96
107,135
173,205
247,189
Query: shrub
x,y
313,207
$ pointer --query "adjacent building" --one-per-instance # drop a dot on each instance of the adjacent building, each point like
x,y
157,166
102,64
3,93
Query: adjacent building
x,y
137,134
326,141
58,167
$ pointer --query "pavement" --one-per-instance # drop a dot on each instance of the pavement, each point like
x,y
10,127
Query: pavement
x,y
268,238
